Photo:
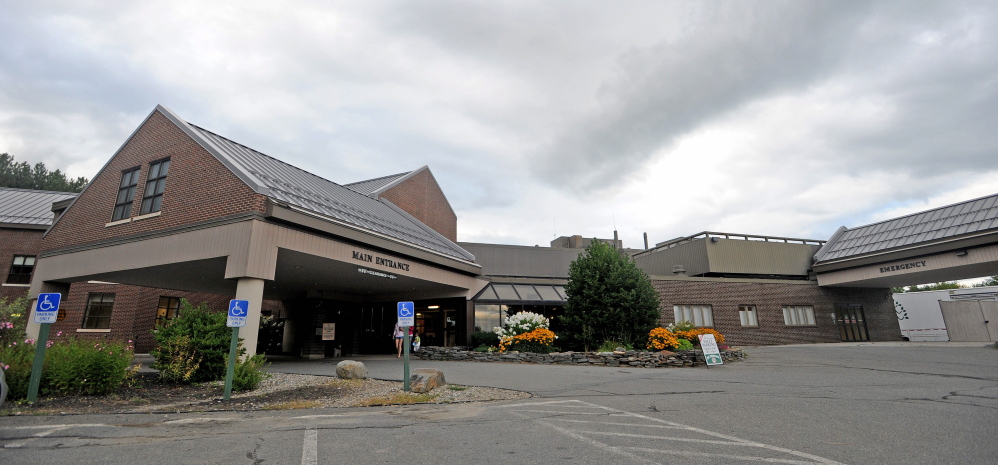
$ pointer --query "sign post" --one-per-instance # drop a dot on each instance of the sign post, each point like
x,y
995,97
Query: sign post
x,y
46,312
406,319
238,309
711,354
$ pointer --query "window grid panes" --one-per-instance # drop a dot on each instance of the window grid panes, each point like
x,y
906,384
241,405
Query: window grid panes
x,y
98,313
699,315
126,194
21,269
152,198
527,292
798,315
169,308
748,315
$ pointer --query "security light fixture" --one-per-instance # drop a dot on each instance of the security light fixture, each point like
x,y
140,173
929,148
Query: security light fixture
x,y
961,253
433,306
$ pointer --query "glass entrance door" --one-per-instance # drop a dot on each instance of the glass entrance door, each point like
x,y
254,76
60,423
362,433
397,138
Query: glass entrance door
x,y
851,322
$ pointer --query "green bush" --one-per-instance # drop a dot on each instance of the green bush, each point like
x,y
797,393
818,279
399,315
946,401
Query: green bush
x,y
610,346
17,360
76,367
194,347
533,347
247,374
684,344
484,338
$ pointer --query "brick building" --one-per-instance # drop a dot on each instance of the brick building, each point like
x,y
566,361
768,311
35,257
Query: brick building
x,y
179,211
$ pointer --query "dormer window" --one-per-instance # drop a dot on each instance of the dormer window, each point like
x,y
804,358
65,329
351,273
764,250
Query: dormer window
x,y
126,194
152,199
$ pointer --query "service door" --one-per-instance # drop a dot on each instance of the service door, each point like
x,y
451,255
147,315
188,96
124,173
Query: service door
x,y
851,322
971,321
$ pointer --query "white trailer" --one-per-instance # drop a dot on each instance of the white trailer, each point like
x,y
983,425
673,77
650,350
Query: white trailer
x,y
920,316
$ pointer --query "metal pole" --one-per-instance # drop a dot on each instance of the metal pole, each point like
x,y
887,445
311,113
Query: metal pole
x,y
405,363
36,369
230,371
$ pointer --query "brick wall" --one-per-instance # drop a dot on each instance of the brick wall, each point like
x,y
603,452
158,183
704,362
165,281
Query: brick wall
x,y
769,299
421,197
198,187
134,313
16,242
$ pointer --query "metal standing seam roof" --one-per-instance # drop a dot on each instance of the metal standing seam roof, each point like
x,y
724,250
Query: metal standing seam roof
x,y
972,216
371,187
29,207
286,183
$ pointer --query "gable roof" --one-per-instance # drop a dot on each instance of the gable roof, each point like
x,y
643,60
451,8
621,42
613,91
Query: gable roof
x,y
28,208
949,222
374,187
335,203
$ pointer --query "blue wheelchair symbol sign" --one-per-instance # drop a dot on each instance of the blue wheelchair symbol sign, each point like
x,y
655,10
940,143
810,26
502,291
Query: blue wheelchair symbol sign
x,y
238,310
47,309
406,314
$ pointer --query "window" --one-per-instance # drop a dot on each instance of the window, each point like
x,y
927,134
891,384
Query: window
x,y
126,193
98,314
699,315
21,269
800,315
152,198
747,314
169,308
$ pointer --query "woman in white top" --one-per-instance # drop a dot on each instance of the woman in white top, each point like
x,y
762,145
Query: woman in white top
x,y
398,339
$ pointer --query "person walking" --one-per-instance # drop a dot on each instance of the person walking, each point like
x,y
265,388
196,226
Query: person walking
x,y
398,339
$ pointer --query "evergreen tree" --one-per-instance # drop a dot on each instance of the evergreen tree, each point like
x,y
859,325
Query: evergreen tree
x,y
609,299
24,176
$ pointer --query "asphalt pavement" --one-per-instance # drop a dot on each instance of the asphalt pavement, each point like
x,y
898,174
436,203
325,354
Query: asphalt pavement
x,y
862,403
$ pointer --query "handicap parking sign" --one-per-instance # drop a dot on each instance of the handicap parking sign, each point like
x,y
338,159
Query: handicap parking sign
x,y
407,314
238,310
47,307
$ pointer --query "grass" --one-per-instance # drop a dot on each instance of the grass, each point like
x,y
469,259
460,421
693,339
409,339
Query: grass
x,y
294,405
399,399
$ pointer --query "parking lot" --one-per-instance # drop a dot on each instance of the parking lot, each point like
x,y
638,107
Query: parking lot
x,y
830,403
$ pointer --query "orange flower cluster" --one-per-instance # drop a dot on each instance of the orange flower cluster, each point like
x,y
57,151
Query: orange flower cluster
x,y
542,336
662,339
692,334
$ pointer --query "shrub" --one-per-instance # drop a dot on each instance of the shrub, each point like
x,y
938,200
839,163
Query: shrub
x,y
16,360
76,367
539,341
610,346
13,319
248,374
662,339
684,344
484,338
194,347
609,298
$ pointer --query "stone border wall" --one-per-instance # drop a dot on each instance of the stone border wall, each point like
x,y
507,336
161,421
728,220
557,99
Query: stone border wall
x,y
662,359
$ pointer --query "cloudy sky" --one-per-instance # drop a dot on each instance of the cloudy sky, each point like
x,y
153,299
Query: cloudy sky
x,y
542,119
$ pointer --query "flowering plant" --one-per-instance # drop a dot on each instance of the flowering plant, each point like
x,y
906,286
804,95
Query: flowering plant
x,y
692,334
523,322
662,339
537,340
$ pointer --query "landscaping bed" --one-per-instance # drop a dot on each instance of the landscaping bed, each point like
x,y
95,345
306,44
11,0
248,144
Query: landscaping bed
x,y
635,358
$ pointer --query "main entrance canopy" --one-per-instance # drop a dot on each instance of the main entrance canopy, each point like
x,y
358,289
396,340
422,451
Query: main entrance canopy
x,y
958,241
179,207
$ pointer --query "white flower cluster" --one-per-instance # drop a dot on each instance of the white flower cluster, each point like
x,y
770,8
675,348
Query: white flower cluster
x,y
523,322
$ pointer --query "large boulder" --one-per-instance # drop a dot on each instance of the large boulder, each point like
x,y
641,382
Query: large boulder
x,y
425,379
351,369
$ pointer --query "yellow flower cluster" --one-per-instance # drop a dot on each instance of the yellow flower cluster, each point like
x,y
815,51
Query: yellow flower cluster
x,y
542,336
692,334
662,339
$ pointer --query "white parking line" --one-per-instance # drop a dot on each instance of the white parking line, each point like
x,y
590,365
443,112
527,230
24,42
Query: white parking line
x,y
585,435
310,448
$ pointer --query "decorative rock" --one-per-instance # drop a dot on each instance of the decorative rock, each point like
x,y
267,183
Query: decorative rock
x,y
350,369
425,379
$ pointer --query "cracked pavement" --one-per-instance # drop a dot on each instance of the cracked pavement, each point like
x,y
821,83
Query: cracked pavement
x,y
824,403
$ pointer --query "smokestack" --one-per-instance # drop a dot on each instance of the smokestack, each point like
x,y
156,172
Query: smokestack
x,y
646,241
616,243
